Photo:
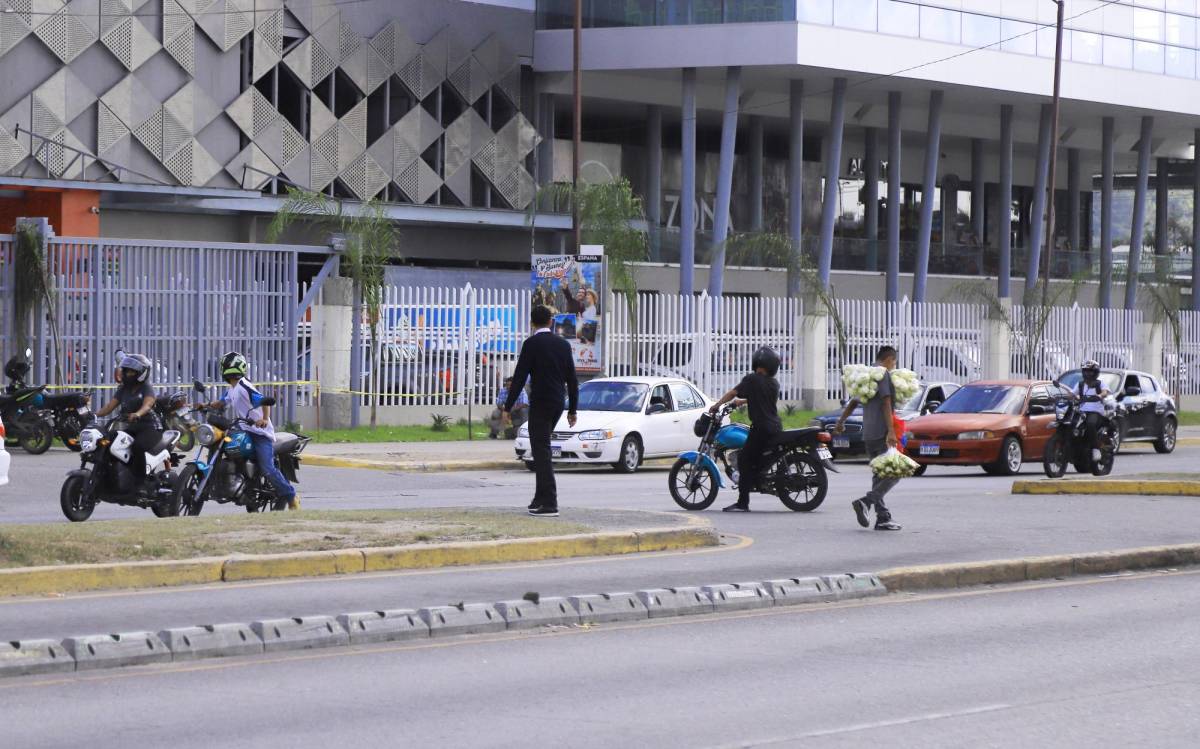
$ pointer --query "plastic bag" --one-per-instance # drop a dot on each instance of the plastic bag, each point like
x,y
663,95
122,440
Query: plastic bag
x,y
894,464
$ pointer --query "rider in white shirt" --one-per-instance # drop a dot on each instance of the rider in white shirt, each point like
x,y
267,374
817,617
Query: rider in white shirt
x,y
1091,394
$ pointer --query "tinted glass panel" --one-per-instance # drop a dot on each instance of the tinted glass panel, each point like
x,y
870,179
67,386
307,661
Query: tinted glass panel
x,y
986,399
611,396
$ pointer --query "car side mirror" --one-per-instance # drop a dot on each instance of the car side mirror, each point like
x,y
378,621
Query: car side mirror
x,y
1038,410
931,407
656,408
1133,390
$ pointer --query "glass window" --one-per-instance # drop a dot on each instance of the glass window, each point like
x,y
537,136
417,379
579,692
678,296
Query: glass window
x,y
1181,31
1041,397
660,397
814,11
942,25
1086,47
1148,385
1148,56
1020,10
986,399
1181,62
1118,53
1182,6
856,14
620,13
607,395
686,399
1018,37
1047,38
1147,24
899,18
1118,19
980,31
767,10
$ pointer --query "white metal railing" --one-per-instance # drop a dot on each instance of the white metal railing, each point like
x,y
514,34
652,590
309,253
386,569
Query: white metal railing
x,y
1071,335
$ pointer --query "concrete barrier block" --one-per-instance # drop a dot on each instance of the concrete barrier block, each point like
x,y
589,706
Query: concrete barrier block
x,y
26,657
855,585
609,607
125,649
464,619
384,626
739,596
546,612
661,602
300,633
797,590
211,641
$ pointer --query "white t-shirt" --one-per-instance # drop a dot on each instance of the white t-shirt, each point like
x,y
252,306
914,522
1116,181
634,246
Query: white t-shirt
x,y
242,400
1091,407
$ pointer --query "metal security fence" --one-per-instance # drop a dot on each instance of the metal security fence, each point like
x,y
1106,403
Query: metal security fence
x,y
1181,364
7,344
1069,335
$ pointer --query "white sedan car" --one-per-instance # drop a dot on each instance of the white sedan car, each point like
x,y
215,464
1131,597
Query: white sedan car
x,y
623,421
4,459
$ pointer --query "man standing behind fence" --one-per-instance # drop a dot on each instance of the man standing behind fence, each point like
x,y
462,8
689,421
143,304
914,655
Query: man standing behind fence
x,y
546,359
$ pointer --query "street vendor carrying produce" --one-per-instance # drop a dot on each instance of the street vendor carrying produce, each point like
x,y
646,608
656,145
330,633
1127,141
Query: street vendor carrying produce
x,y
878,389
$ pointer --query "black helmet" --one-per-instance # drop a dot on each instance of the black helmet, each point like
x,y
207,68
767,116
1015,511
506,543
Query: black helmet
x,y
16,368
767,359
138,364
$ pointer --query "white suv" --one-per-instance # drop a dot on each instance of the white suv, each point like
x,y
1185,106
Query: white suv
x,y
4,459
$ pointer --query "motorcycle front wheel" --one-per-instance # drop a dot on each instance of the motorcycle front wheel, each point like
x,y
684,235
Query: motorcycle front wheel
x,y
692,486
1055,460
187,492
75,506
38,438
801,482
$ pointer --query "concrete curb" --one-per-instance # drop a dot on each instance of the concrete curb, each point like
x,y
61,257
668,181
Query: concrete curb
x,y
29,657
404,466
77,578
993,572
1108,486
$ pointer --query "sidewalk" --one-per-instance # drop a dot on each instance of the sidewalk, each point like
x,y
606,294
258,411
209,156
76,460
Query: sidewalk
x,y
478,455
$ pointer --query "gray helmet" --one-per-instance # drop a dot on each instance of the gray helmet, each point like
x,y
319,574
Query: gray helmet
x,y
1092,366
767,359
137,363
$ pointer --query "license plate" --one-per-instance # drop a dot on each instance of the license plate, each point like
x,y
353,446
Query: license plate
x,y
931,449
841,443
83,410
555,452
824,454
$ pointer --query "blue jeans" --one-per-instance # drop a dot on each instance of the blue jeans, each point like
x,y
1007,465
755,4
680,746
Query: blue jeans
x,y
264,454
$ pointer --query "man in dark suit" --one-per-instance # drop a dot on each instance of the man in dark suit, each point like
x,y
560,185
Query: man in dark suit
x,y
546,359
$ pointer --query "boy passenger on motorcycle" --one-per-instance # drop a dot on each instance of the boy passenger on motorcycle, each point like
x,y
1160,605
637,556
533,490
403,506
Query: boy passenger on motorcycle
x,y
135,398
245,402
1091,394
760,391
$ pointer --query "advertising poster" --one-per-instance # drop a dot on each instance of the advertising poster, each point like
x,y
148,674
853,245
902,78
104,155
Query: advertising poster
x,y
572,286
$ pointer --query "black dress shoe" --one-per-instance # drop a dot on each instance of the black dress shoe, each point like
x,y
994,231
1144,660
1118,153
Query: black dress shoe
x,y
534,505
737,508
544,512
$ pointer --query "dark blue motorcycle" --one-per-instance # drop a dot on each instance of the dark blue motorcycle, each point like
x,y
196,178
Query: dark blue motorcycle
x,y
794,469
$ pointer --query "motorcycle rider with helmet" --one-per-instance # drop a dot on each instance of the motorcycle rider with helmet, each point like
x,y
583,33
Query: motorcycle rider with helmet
x,y
135,399
760,391
1091,394
245,402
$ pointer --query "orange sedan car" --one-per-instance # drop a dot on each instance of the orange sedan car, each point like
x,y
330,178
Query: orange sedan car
x,y
998,425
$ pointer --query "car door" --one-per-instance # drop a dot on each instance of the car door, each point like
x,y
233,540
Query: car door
x,y
659,428
690,406
1038,426
1135,406
1153,407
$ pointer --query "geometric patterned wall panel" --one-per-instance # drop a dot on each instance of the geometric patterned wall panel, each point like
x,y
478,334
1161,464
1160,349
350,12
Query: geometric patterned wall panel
x,y
295,123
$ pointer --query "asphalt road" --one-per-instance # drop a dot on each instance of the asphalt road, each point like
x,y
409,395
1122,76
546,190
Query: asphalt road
x,y
949,515
1087,662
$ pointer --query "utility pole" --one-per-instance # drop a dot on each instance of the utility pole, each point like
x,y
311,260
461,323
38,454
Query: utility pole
x,y
577,136
1049,253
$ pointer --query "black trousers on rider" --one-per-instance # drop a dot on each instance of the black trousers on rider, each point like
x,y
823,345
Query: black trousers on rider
x,y
750,461
1094,421
145,436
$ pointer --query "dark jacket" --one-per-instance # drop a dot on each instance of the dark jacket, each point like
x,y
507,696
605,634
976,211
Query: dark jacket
x,y
546,359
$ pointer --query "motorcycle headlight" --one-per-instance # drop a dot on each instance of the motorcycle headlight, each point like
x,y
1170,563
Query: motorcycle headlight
x,y
1060,411
596,435
523,432
976,435
209,435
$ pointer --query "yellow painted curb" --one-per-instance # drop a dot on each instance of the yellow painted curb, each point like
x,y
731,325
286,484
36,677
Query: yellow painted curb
x,y
85,577
963,574
329,461
73,578
1108,486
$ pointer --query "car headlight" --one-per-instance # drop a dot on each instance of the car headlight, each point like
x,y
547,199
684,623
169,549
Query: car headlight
x,y
208,435
523,432
596,435
977,435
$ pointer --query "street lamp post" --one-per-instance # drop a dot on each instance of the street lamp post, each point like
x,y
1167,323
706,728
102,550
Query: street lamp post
x,y
577,135
1049,253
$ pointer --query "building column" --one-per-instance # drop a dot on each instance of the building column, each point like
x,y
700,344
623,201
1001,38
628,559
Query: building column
x,y
654,162
871,215
1037,217
1073,232
687,187
733,90
894,199
1137,231
978,201
1196,224
795,184
833,164
756,173
1162,206
1106,206
1004,233
933,146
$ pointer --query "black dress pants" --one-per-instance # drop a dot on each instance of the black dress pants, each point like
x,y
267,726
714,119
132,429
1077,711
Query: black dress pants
x,y
542,419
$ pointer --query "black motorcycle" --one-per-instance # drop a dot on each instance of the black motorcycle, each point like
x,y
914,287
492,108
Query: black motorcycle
x,y
1069,444
793,468
67,413
104,474
230,473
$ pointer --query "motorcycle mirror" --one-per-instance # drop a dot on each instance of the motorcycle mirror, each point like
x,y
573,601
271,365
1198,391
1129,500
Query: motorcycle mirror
x,y
28,353
198,386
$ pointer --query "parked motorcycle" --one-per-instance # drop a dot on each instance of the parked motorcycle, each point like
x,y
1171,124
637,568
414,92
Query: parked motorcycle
x,y
67,413
230,473
794,467
175,413
1069,444
104,474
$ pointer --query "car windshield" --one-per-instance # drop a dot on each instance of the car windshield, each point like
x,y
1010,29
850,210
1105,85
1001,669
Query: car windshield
x,y
1110,380
985,399
611,396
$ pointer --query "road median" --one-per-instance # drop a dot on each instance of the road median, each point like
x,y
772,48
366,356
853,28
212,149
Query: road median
x,y
1165,486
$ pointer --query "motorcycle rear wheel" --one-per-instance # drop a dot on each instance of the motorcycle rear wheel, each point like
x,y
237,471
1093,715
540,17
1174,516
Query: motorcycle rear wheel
x,y
1055,460
800,475
38,439
74,505
692,486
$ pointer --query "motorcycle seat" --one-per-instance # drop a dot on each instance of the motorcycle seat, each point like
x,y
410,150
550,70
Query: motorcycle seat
x,y
793,436
165,442
285,442
17,396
